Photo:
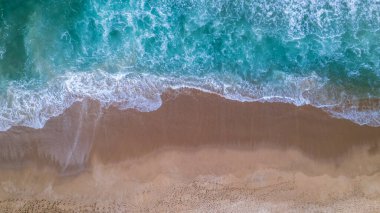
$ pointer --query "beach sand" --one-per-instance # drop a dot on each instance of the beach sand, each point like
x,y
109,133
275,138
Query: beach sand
x,y
198,152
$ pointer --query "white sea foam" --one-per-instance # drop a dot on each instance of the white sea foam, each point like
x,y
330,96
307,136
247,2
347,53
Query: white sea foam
x,y
24,107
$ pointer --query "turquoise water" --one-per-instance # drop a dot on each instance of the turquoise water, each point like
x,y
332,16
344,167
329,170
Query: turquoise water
x,y
126,53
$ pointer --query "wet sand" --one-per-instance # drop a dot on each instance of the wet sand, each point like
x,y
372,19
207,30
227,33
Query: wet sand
x,y
197,152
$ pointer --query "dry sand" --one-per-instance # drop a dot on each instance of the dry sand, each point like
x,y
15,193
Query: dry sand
x,y
197,153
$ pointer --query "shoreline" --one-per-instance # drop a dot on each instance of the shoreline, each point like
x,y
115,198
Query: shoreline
x,y
195,145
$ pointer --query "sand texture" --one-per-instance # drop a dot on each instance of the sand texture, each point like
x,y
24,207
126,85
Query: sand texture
x,y
197,153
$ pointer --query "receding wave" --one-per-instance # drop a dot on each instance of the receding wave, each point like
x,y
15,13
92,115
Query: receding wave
x,y
25,107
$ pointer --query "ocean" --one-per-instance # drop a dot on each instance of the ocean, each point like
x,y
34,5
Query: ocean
x,y
123,53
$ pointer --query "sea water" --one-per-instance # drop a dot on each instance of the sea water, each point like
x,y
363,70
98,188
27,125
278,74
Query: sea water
x,y
324,53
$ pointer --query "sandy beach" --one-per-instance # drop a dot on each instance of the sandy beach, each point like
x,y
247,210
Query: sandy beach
x,y
189,106
198,152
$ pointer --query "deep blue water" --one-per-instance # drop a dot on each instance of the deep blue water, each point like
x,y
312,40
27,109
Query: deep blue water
x,y
126,53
